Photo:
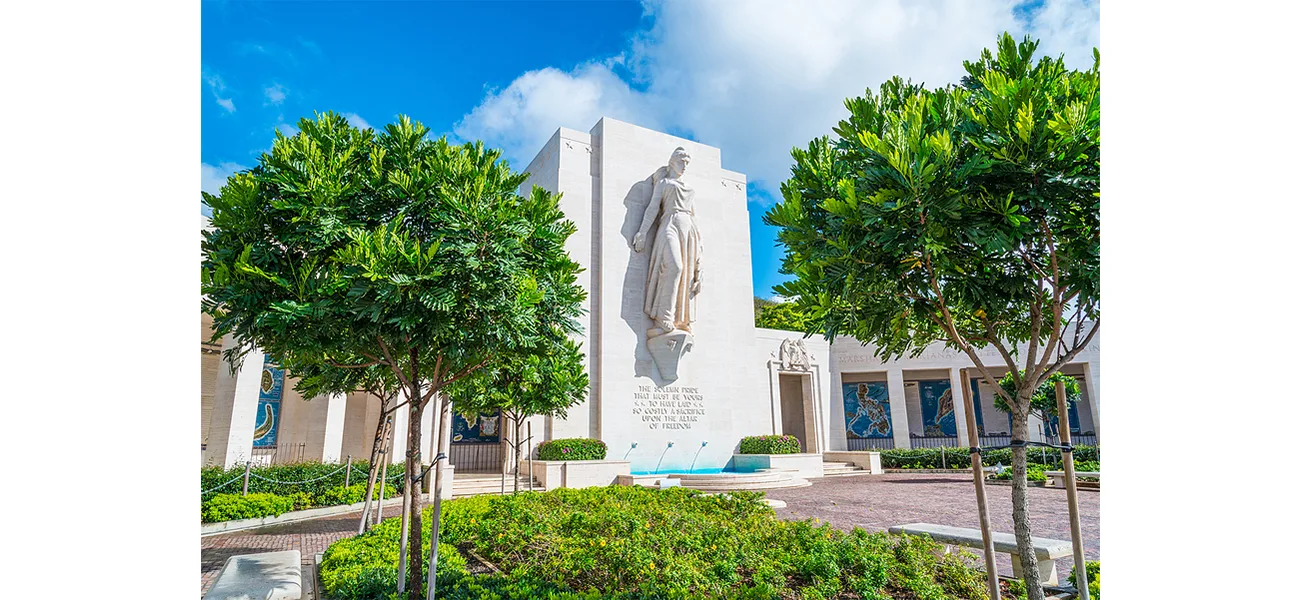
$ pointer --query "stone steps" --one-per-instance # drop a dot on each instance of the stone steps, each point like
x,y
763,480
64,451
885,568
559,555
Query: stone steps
x,y
766,479
476,485
841,469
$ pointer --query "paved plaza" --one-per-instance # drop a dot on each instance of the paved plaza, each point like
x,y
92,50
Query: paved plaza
x,y
873,502
877,502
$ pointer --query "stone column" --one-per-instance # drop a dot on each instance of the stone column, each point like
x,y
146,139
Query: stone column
x,y
234,409
325,434
959,408
898,409
838,431
1091,377
774,394
401,417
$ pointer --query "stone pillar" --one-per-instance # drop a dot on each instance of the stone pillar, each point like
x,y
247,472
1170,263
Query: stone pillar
x,y
234,409
428,430
838,430
1091,377
774,394
898,409
401,417
325,432
959,408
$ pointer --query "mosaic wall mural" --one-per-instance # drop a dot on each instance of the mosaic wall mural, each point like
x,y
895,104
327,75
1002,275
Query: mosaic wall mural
x,y
938,416
482,428
979,408
267,429
866,410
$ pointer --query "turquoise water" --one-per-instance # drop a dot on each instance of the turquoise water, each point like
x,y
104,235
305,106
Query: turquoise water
x,y
699,471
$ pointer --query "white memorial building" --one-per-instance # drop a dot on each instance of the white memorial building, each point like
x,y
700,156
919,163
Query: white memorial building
x,y
679,373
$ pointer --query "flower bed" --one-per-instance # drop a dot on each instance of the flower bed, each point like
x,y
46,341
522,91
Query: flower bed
x,y
770,444
634,542
234,507
571,449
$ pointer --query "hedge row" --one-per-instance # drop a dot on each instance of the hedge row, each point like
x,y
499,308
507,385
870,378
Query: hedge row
x,y
235,506
572,449
638,543
959,458
211,477
769,444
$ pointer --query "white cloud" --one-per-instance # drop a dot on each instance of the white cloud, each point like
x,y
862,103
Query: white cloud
x,y
274,94
760,79
213,177
218,85
287,130
356,121
520,118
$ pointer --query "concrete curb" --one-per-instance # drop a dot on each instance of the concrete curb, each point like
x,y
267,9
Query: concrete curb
x,y
293,516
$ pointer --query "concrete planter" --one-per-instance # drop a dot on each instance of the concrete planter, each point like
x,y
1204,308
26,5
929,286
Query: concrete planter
x,y
802,465
869,461
578,473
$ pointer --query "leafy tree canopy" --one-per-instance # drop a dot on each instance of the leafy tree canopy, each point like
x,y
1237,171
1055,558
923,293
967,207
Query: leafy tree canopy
x,y
1044,399
781,315
967,215
526,384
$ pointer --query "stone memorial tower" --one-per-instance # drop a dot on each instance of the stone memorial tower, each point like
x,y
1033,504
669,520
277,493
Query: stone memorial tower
x,y
663,233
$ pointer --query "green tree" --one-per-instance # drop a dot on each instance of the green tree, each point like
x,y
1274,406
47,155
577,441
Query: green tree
x,y
1043,403
525,385
355,249
966,215
781,315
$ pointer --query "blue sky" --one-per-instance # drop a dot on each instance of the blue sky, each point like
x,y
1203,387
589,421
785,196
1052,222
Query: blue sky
x,y
754,79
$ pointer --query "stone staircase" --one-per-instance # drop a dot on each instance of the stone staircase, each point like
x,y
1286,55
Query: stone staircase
x,y
475,484
842,469
766,479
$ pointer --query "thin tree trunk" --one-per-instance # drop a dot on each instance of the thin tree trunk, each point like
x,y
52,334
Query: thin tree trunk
x,y
380,433
415,571
519,448
1020,500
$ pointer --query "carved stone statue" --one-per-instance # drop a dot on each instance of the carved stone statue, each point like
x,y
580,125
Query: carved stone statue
x,y
673,279
794,355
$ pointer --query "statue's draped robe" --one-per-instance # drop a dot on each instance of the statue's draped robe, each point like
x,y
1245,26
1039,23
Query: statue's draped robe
x,y
674,258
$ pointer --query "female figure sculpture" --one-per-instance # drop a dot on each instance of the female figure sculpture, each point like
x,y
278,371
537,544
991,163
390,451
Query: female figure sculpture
x,y
673,279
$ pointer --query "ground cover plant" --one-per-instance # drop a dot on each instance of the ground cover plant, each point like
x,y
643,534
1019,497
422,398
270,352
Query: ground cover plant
x,y
234,506
634,542
770,444
572,449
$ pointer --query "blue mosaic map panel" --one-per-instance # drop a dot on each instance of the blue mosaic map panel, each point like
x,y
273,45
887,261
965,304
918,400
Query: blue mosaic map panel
x,y
866,410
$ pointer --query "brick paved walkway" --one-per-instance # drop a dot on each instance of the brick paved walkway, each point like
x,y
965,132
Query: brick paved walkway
x,y
307,537
873,502
876,502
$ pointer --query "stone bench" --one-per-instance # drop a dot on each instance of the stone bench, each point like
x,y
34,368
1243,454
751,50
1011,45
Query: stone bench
x,y
1058,477
265,576
1046,551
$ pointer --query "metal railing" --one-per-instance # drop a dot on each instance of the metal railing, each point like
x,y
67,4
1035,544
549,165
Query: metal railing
x,y
282,454
476,457
934,441
871,443
1077,439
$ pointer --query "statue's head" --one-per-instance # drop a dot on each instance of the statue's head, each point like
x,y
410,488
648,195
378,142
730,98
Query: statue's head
x,y
677,163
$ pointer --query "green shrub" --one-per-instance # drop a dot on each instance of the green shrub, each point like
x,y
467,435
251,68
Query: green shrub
x,y
769,444
365,567
233,507
1032,473
312,473
959,458
1093,568
637,543
572,449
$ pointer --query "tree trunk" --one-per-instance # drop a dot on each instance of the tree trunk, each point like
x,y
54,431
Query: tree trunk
x,y
374,466
1020,497
415,571
519,448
